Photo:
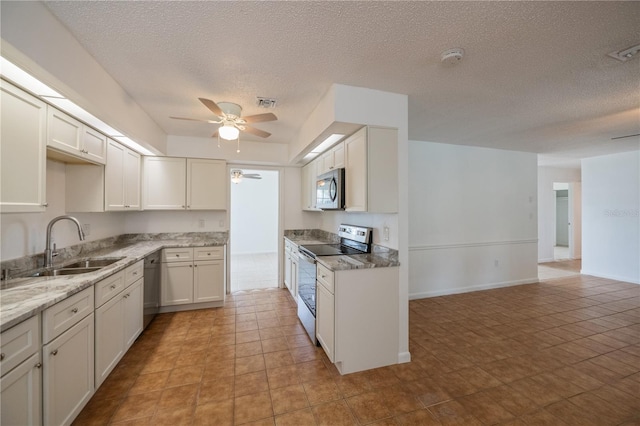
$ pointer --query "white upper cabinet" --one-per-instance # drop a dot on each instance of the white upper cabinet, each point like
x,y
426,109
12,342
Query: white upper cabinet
x,y
206,184
71,141
122,178
184,184
309,176
371,175
22,151
331,159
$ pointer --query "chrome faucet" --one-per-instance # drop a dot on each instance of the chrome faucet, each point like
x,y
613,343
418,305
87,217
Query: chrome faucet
x,y
48,253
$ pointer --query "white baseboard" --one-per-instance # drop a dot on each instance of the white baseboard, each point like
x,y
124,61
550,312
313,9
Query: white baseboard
x,y
446,292
609,277
546,260
404,357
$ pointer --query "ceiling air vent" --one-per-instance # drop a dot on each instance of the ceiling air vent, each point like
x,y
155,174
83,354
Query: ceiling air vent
x,y
626,54
266,102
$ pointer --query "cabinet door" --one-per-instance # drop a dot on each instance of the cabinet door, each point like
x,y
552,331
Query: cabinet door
x,y
176,283
68,373
294,277
109,336
356,172
64,132
206,184
133,306
287,269
208,281
22,151
114,177
325,314
21,394
327,162
94,145
131,180
164,183
338,156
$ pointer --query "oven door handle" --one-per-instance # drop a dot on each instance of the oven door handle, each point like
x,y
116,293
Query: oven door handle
x,y
309,257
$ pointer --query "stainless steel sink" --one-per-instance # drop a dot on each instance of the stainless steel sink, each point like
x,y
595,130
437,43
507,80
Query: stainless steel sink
x,y
65,271
93,263
78,267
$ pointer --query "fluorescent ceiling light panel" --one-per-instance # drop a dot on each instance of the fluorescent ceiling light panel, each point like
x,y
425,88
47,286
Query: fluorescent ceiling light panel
x,y
28,82
330,140
21,78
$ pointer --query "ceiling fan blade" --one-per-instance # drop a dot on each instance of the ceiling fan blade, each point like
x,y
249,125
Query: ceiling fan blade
x,y
213,107
190,119
259,118
256,132
252,177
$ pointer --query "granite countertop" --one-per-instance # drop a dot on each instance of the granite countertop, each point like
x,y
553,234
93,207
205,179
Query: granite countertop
x,y
356,261
21,298
302,241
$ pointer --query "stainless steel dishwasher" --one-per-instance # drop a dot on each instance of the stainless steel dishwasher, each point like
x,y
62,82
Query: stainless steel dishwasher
x,y
151,287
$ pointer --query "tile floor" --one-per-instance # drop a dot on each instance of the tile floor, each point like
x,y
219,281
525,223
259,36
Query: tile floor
x,y
254,271
562,352
559,269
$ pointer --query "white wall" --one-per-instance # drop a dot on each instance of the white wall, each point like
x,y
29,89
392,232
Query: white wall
x,y
23,234
472,217
254,214
610,216
546,207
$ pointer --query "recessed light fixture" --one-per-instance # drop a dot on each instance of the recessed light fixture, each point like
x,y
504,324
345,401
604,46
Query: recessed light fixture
x,y
626,54
265,102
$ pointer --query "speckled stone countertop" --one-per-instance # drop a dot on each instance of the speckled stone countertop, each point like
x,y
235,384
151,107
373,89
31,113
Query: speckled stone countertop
x,y
356,261
21,298
381,257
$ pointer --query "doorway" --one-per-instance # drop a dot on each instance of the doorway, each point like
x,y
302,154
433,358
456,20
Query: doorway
x,y
253,221
568,221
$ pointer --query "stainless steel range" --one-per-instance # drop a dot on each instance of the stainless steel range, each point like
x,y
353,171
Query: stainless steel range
x,y
353,240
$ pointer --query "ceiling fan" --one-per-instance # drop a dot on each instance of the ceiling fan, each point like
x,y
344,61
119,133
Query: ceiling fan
x,y
232,123
237,175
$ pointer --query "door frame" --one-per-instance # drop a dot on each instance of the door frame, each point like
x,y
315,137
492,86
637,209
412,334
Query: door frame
x,y
280,234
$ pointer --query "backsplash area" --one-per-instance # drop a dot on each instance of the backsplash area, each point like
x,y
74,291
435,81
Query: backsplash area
x,y
36,261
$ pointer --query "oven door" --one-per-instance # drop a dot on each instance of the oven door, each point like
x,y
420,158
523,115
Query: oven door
x,y
307,293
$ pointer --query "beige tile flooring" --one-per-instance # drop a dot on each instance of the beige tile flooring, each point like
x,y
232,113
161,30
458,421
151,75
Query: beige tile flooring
x,y
562,352
254,271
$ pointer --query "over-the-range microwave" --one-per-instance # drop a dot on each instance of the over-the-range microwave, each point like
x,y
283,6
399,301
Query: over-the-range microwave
x,y
330,190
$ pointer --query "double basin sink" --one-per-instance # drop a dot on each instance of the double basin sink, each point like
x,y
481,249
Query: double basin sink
x,y
78,267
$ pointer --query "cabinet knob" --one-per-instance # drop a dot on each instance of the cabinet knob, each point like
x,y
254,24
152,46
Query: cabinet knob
x,y
74,310
177,255
126,296
135,273
39,365
190,266
2,356
54,352
45,204
113,287
183,207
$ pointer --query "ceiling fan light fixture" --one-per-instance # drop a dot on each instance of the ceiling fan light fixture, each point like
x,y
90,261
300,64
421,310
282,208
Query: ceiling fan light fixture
x,y
228,132
236,176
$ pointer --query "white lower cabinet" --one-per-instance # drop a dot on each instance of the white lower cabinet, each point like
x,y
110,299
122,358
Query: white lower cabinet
x,y
192,275
325,313
68,381
21,382
291,268
118,321
20,399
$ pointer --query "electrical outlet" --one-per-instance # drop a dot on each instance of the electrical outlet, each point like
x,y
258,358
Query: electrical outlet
x,y
201,223
87,229
386,233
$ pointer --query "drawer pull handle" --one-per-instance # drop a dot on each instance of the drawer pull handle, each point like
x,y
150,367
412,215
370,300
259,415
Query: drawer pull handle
x,y
113,287
2,356
74,310
323,276
177,255
39,365
208,254
135,273
55,352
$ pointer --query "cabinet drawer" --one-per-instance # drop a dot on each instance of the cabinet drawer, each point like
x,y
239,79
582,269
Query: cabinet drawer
x,y
109,287
206,253
133,273
18,343
325,276
177,254
63,315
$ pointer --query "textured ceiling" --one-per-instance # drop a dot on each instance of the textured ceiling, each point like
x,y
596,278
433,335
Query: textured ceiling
x,y
536,76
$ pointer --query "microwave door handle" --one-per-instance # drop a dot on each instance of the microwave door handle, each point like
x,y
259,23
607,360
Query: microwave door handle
x,y
333,190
